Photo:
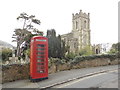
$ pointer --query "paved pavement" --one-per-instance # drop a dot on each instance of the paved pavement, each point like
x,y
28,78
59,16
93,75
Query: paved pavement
x,y
57,77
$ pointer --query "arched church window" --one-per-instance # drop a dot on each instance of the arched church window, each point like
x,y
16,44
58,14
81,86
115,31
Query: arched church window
x,y
76,25
85,24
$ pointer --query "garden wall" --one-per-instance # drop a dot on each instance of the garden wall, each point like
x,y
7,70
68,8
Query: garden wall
x,y
18,72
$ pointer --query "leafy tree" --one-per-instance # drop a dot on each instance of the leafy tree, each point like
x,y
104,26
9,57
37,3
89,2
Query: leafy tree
x,y
6,53
55,44
23,35
51,35
115,48
86,51
112,51
59,48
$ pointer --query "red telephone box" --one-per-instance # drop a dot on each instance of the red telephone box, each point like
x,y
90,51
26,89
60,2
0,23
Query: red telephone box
x,y
38,58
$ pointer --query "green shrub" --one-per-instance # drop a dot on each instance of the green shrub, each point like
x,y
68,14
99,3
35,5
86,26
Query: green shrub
x,y
56,61
6,53
86,51
70,56
78,59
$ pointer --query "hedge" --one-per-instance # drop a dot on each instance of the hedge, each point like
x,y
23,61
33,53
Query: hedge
x,y
82,58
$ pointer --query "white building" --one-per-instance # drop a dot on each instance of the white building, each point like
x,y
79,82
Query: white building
x,y
102,48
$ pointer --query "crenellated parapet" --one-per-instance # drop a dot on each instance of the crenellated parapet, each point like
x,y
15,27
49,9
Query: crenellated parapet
x,y
81,14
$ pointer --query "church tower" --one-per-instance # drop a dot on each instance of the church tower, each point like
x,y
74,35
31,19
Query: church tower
x,y
79,37
81,28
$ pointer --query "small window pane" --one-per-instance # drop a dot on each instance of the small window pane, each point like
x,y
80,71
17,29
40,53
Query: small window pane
x,y
39,53
40,45
40,56
40,60
38,68
41,67
40,64
41,71
39,49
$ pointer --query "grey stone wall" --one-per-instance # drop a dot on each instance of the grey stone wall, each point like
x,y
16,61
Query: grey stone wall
x,y
19,72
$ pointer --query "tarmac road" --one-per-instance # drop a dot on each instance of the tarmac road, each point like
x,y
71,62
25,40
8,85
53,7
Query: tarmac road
x,y
102,80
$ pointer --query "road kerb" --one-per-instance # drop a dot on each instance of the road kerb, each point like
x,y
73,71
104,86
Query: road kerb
x,y
62,82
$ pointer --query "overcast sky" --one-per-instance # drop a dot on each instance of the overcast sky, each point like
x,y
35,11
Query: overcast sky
x,y
57,14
